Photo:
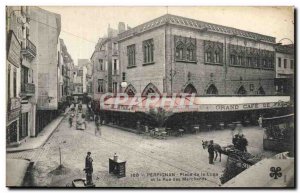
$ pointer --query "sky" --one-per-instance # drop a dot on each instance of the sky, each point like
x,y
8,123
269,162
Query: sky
x,y
82,26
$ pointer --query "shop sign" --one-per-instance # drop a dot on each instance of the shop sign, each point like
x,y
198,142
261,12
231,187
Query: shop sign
x,y
13,49
118,108
241,107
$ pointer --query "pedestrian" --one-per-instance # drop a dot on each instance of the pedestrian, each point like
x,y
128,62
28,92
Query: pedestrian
x,y
71,120
211,152
260,121
98,125
235,140
89,169
83,120
244,143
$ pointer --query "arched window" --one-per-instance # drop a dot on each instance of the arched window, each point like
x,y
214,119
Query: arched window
x,y
148,48
240,60
233,60
130,90
190,89
249,61
190,53
179,51
242,91
217,57
150,88
261,91
212,90
208,55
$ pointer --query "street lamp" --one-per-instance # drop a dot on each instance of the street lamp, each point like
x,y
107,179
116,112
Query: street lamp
x,y
123,85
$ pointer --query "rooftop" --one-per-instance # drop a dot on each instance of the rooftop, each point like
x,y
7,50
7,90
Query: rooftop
x,y
196,24
286,49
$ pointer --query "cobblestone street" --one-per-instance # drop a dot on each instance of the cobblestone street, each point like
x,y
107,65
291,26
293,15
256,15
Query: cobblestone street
x,y
145,157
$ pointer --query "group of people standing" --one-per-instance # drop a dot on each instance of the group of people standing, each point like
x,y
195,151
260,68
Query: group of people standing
x,y
92,117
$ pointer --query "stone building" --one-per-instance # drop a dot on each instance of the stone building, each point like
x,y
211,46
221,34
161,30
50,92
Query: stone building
x,y
16,18
105,63
173,54
77,83
65,66
231,72
45,27
87,68
21,53
285,68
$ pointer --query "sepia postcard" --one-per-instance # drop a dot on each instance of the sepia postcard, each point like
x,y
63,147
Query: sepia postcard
x,y
150,97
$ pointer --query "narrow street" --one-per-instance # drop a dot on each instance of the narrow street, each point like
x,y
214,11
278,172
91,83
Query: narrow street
x,y
143,154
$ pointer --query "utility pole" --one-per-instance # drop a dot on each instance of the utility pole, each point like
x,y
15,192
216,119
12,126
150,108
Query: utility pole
x,y
59,156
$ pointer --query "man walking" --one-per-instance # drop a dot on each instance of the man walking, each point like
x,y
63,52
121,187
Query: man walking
x,y
71,119
89,169
211,152
260,121
98,124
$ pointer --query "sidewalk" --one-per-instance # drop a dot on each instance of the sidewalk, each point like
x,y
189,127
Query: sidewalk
x,y
15,172
43,136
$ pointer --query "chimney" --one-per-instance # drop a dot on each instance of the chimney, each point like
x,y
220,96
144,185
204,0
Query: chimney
x,y
109,31
121,27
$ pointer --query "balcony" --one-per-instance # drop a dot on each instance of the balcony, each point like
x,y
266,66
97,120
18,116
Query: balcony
x,y
29,50
13,109
27,89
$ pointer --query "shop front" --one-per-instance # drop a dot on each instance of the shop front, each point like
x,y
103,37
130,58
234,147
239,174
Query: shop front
x,y
186,112
13,110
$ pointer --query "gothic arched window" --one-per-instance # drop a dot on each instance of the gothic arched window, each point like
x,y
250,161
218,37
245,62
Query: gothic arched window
x,y
148,49
190,89
130,90
179,51
208,55
150,88
242,91
233,59
261,91
191,53
212,90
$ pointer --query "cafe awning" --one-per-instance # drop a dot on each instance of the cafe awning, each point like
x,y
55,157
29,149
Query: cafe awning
x,y
242,103
195,104
172,104
121,104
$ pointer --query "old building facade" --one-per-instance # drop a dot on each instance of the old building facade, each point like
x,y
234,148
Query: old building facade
x,y
285,68
65,66
45,27
105,63
21,59
173,54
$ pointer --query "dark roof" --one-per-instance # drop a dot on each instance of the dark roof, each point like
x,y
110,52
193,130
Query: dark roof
x,y
196,24
286,49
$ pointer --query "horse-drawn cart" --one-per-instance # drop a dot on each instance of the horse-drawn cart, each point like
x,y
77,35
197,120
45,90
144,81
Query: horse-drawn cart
x,y
237,162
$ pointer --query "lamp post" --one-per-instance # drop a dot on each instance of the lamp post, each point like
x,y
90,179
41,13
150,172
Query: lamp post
x,y
123,85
